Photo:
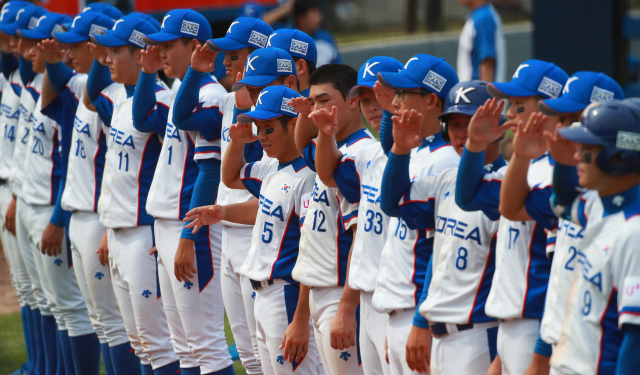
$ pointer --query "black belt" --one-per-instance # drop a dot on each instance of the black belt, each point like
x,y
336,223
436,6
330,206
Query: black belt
x,y
257,284
440,329
3,181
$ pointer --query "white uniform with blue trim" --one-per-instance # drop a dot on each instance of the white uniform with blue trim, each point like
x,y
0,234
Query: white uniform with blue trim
x,y
284,191
605,293
405,257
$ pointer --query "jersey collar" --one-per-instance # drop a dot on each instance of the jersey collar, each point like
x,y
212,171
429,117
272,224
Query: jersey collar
x,y
545,155
615,203
130,90
297,164
495,165
433,141
305,93
354,137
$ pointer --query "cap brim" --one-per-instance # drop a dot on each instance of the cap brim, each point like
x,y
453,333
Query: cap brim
x,y
224,44
108,40
504,90
69,37
580,134
9,29
397,81
253,81
31,34
158,38
66,26
249,117
560,106
468,110
355,90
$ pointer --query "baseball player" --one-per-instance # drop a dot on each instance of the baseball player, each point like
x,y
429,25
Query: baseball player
x,y
461,268
41,181
358,176
187,173
129,167
600,328
580,90
422,85
283,184
522,266
324,243
237,292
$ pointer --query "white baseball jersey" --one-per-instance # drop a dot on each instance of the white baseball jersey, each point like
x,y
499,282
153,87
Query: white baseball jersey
x,y
463,260
130,164
284,191
359,179
406,253
569,243
522,267
9,117
43,160
28,98
606,290
324,241
177,171
87,155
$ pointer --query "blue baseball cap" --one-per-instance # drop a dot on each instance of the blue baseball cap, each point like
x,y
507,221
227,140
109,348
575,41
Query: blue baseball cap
x,y
26,18
272,103
296,42
465,98
533,77
127,30
180,23
264,66
106,9
45,27
251,9
368,73
423,71
602,122
147,17
84,26
582,89
10,9
243,32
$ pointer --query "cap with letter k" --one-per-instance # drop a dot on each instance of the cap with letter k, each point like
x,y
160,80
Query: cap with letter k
x,y
296,42
129,29
47,25
264,66
272,103
533,77
243,32
26,17
368,74
582,89
180,23
84,26
423,71
10,10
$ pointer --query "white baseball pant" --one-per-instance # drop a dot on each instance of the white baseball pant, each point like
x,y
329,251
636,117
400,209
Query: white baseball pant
x,y
275,307
239,296
468,352
398,329
323,304
194,309
372,337
516,342
134,275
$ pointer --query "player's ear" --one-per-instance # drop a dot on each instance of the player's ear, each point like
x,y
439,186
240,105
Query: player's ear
x,y
291,126
194,43
301,67
354,103
431,102
291,82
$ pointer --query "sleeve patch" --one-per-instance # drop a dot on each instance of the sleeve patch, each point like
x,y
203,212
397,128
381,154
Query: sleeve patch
x,y
631,291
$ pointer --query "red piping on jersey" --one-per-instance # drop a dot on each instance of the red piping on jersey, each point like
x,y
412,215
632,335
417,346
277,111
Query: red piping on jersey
x,y
293,212
106,97
95,174
586,219
484,273
415,201
155,107
210,83
33,88
338,248
632,216
526,289
73,93
55,134
415,257
213,106
303,167
358,140
295,368
602,327
139,173
213,270
439,148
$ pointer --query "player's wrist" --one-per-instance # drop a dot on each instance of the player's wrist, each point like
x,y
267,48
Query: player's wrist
x,y
475,146
400,149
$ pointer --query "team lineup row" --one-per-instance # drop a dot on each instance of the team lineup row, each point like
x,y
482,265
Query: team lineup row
x,y
135,214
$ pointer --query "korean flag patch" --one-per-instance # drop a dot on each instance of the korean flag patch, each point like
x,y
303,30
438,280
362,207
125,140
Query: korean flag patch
x,y
285,66
287,108
286,188
258,39
136,38
299,46
601,95
550,87
435,81
190,28
97,30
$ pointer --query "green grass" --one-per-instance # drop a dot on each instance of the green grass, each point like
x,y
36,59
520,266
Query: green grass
x,y
13,353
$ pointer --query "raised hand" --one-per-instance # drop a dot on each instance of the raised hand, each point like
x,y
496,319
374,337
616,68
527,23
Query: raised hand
x,y
407,131
242,133
51,52
151,61
203,59
561,149
99,52
327,122
301,105
384,96
205,215
528,140
484,126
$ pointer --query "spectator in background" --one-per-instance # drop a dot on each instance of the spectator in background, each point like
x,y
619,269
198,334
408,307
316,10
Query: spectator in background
x,y
481,50
251,9
308,17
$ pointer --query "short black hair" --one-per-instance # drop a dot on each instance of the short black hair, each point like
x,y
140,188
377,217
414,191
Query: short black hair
x,y
342,77
284,120
300,7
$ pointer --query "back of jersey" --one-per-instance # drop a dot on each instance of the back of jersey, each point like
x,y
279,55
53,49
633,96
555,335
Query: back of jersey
x,y
9,120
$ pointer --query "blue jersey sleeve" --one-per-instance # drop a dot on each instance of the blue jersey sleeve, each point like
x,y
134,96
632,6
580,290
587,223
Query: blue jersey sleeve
x,y
309,155
26,71
628,358
419,320
538,206
58,111
99,79
473,192
190,114
565,184
149,115
58,75
542,348
386,131
347,179
205,190
484,40
395,182
250,182
8,63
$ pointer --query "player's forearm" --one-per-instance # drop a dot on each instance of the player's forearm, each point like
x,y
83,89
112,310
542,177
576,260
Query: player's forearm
x,y
232,164
59,75
49,93
628,359
350,298
99,78
26,70
144,101
514,190
187,97
469,179
306,130
87,102
303,313
327,158
386,131
487,70
395,182
242,213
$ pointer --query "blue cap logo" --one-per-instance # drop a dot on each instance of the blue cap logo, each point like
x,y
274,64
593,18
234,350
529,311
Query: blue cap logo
x,y
243,32
465,98
257,39
285,66
601,95
272,103
180,23
264,66
550,87
368,74
190,28
423,71
296,42
461,94
299,46
45,26
533,77
434,81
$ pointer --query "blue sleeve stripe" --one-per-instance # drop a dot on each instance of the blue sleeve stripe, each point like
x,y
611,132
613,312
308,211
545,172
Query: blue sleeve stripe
x,y
253,185
416,201
73,94
247,170
551,241
630,310
582,218
207,150
302,221
352,215
343,176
